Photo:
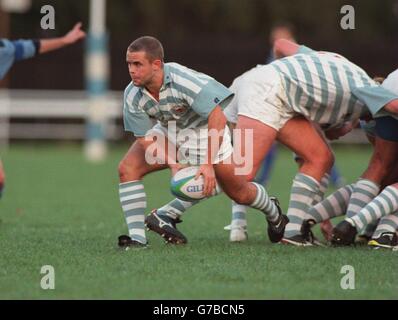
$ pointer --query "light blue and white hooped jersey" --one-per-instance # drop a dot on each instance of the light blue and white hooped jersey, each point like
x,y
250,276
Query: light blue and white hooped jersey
x,y
186,97
391,84
329,89
12,51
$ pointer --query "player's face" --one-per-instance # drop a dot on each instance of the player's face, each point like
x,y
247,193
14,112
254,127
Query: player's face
x,y
141,70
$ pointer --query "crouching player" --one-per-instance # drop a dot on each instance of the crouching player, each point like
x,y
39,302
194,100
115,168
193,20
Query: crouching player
x,y
175,95
386,128
382,171
350,199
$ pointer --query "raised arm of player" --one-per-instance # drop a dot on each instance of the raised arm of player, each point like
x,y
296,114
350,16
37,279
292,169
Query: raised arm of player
x,y
284,48
71,37
216,126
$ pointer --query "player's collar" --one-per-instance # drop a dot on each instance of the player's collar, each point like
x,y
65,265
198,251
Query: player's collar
x,y
166,76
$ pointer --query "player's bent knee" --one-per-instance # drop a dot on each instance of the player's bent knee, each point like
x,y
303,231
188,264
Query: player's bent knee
x,y
321,158
379,167
328,159
240,199
2,178
130,172
123,171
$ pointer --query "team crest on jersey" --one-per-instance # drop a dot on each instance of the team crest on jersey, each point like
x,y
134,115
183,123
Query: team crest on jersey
x,y
179,110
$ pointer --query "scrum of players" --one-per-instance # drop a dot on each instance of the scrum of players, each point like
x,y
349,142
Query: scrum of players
x,y
302,100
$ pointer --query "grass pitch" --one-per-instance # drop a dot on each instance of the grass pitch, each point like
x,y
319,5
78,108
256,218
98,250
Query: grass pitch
x,y
59,210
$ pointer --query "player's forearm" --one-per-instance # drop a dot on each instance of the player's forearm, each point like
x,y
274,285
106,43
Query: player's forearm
x,y
71,37
47,45
216,127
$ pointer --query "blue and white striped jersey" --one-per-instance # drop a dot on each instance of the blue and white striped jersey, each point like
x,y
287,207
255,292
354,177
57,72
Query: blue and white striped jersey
x,y
328,89
11,51
186,96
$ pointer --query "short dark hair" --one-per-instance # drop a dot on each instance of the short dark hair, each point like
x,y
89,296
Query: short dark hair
x,y
150,45
284,25
379,79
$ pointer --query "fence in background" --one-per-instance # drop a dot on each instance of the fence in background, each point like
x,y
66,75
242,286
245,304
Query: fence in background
x,y
62,115
55,115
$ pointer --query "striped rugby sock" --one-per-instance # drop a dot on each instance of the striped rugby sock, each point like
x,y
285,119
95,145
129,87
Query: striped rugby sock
x,y
133,201
322,189
388,223
238,215
333,206
263,203
175,208
304,189
364,191
369,229
385,203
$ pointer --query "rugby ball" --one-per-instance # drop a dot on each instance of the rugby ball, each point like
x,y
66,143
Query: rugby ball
x,y
186,188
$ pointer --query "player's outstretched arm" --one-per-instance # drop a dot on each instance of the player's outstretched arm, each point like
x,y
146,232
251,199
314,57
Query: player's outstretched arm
x,y
284,48
71,37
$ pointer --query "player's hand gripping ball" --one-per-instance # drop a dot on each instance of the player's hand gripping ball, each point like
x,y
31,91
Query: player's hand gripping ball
x,y
186,188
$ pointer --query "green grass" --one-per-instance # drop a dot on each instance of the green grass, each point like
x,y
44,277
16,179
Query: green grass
x,y
60,210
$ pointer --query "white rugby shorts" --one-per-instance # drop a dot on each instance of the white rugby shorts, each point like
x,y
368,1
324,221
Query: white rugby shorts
x,y
260,95
192,144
